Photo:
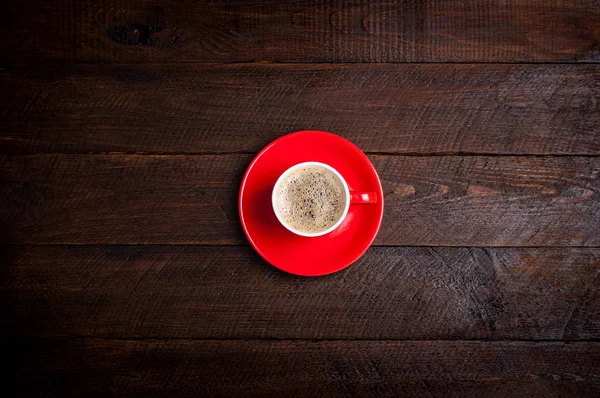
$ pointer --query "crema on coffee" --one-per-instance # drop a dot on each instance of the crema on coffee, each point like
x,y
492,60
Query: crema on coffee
x,y
310,199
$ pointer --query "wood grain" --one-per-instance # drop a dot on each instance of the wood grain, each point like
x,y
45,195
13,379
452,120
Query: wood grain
x,y
182,199
230,292
92,367
301,31
426,109
125,127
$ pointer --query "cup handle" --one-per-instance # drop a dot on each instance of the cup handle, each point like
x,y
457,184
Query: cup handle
x,y
361,198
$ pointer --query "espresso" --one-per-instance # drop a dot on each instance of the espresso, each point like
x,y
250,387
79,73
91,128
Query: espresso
x,y
310,199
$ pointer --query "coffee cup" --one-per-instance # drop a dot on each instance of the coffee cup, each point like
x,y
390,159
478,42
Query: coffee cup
x,y
312,199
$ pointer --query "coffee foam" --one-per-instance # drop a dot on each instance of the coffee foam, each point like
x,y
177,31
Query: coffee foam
x,y
310,199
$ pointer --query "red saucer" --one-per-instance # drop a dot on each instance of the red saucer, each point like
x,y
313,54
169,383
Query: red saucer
x,y
296,254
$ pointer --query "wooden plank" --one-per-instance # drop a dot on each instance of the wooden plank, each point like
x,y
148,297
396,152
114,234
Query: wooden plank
x,y
177,199
230,292
301,31
483,109
91,367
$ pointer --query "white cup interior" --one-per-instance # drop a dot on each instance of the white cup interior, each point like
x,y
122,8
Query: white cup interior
x,y
311,164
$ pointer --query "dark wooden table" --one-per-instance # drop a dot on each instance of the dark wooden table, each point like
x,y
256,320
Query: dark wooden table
x,y
125,128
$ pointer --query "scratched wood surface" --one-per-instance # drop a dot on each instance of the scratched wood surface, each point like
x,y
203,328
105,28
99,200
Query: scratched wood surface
x,y
229,292
184,199
424,108
325,368
301,31
126,126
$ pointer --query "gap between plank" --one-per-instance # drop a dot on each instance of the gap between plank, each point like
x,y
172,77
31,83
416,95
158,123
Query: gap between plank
x,y
248,245
316,340
267,62
374,153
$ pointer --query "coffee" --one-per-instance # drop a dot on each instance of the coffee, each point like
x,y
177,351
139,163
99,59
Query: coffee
x,y
310,199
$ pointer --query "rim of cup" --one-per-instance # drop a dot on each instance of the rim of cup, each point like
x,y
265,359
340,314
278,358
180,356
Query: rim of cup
x,y
311,164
